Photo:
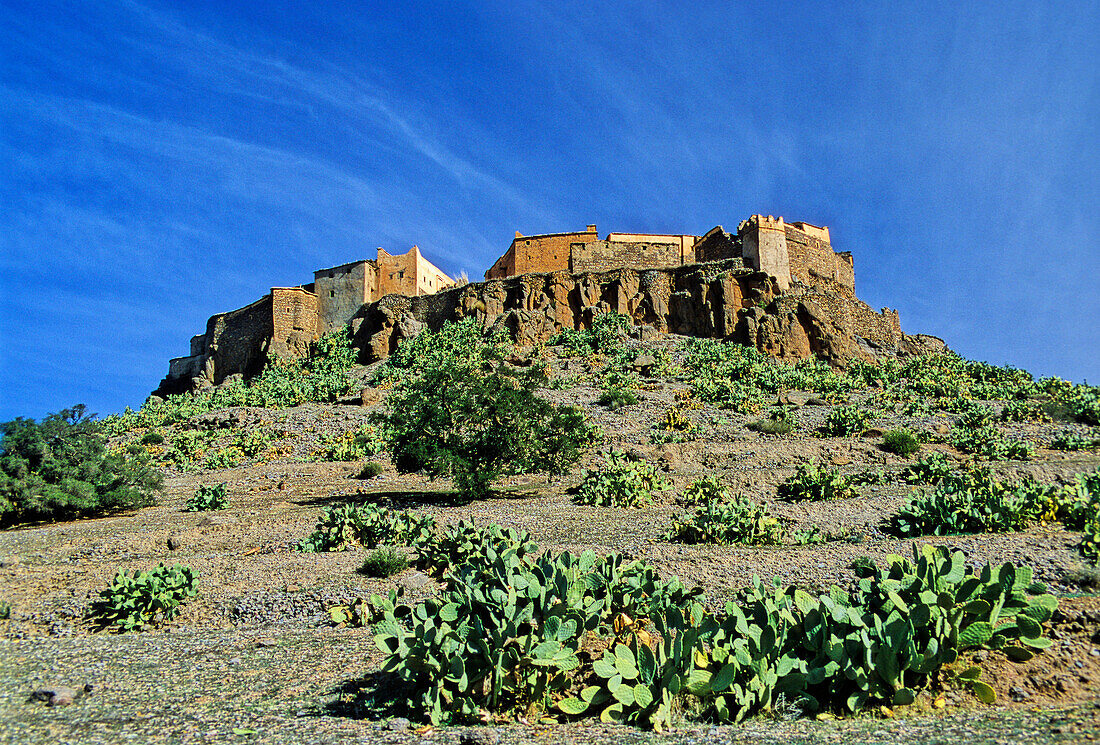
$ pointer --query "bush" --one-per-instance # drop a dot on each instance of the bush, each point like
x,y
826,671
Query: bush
x,y
738,521
465,543
617,398
779,423
704,490
620,483
383,562
972,502
152,438
988,441
370,470
227,457
343,527
1072,441
62,469
208,498
815,483
900,441
132,601
321,376
931,469
846,421
356,444
519,633
478,422
605,336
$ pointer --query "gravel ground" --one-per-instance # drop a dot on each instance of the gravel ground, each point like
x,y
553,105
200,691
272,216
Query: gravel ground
x,y
256,651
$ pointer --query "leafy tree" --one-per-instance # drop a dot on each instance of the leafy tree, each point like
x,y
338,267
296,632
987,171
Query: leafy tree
x,y
61,468
462,412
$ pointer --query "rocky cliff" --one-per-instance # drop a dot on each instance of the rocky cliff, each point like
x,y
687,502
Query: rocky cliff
x,y
721,299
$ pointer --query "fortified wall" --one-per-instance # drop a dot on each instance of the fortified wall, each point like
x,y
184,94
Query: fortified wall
x,y
287,320
774,285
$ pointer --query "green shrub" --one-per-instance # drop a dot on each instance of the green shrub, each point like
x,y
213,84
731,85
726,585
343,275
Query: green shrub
x,y
370,470
704,490
254,443
466,543
227,457
383,562
505,635
133,601
477,422
605,336
780,422
617,398
817,483
321,376
505,639
900,441
152,438
208,498
988,441
846,421
727,522
931,469
345,526
1023,411
971,502
1073,441
5,610
364,442
62,469
808,536
620,483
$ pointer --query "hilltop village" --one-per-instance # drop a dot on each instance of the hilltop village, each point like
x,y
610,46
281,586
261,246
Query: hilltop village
x,y
772,284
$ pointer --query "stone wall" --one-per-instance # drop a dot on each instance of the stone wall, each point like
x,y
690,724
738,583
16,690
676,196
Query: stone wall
x,y
812,260
718,245
603,256
294,321
341,290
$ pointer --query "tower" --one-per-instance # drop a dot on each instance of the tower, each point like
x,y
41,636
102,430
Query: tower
x,y
764,245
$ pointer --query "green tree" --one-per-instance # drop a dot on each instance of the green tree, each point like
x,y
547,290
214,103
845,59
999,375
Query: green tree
x,y
462,412
61,468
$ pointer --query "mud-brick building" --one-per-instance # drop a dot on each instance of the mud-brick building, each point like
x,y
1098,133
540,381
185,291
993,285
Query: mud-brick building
x,y
584,251
288,319
790,252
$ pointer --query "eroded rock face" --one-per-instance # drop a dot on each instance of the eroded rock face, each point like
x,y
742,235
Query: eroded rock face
x,y
721,299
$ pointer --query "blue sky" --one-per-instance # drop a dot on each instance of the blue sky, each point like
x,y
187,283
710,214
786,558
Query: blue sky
x,y
160,162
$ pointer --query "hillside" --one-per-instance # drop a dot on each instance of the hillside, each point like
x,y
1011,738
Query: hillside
x,y
259,650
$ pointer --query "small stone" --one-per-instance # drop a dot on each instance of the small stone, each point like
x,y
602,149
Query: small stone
x,y
415,580
56,696
397,724
840,460
173,543
872,432
479,737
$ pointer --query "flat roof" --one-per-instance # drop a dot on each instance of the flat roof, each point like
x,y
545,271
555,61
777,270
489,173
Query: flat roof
x,y
340,266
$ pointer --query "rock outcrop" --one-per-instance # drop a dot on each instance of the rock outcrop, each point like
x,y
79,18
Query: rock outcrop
x,y
721,299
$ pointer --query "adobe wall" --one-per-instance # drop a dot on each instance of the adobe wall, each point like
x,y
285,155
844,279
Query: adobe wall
x,y
237,340
603,256
718,245
294,321
539,253
340,291
812,259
